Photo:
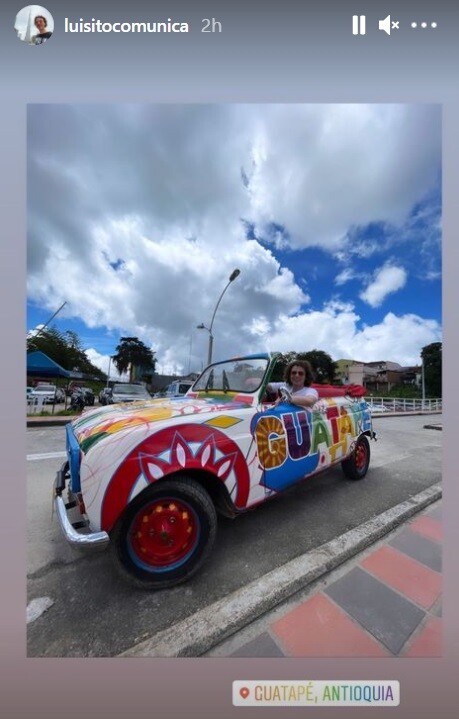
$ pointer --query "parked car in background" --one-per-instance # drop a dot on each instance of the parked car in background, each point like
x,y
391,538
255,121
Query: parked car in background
x,y
148,478
88,395
104,395
128,393
178,388
161,393
46,393
77,403
81,397
73,386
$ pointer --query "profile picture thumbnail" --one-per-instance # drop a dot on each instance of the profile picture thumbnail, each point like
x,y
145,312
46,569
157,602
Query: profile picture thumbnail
x,y
34,24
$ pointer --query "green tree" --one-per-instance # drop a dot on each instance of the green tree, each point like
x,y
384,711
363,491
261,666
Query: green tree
x,y
65,349
133,355
281,364
322,364
432,361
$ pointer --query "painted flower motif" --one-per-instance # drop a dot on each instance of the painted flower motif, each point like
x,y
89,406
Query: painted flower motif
x,y
195,446
182,456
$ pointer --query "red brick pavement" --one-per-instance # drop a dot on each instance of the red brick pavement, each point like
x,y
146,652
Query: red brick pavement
x,y
388,603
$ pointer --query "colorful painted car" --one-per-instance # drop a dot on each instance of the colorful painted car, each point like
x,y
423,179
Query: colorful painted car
x,y
148,478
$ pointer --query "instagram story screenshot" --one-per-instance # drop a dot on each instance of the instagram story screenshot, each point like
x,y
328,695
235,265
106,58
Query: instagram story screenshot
x,y
228,281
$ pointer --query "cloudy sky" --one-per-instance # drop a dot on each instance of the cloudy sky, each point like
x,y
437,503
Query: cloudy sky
x,y
137,215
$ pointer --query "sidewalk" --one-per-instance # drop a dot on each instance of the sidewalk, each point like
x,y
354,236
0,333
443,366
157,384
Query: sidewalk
x,y
51,421
386,601
371,591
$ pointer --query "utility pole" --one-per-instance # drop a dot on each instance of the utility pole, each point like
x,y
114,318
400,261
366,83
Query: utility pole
x,y
423,382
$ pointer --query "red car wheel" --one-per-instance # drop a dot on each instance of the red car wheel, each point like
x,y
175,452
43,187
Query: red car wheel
x,y
165,534
356,465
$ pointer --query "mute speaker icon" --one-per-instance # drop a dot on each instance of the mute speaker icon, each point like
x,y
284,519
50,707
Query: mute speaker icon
x,y
385,25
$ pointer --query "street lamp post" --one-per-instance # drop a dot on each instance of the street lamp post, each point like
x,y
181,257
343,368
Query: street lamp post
x,y
423,383
235,273
189,356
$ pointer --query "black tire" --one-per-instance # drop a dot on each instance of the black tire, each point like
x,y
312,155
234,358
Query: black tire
x,y
178,522
356,465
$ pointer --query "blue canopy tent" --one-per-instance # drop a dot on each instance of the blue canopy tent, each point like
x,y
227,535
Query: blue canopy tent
x,y
40,365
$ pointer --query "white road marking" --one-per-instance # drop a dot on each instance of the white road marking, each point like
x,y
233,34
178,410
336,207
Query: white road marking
x,y
45,455
37,606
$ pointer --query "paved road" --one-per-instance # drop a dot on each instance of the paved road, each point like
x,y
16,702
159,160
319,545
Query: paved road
x,y
93,613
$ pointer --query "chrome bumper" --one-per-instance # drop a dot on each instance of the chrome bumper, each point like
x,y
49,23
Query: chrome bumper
x,y
88,541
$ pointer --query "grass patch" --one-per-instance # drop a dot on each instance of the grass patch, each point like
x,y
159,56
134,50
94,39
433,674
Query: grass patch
x,y
60,413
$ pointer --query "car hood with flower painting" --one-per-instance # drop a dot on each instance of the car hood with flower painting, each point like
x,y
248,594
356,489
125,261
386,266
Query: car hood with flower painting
x,y
147,478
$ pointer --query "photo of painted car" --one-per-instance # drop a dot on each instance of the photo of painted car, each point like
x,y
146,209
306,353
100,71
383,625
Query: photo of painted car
x,y
148,478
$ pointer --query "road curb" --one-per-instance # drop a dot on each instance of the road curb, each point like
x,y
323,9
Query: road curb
x,y
198,633
50,421
408,413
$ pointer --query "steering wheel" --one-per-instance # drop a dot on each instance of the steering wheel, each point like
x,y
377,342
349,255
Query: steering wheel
x,y
286,396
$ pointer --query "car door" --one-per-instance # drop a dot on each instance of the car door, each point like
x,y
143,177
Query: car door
x,y
294,442
290,442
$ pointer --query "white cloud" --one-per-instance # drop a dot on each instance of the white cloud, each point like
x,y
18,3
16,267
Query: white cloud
x,y
136,213
399,337
105,363
344,276
33,332
387,279
323,169
335,330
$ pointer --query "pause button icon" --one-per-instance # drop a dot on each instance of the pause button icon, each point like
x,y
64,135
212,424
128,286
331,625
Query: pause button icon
x,y
359,26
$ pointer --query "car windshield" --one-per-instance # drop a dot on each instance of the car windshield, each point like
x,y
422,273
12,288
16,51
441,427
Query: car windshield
x,y
240,375
129,389
184,387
